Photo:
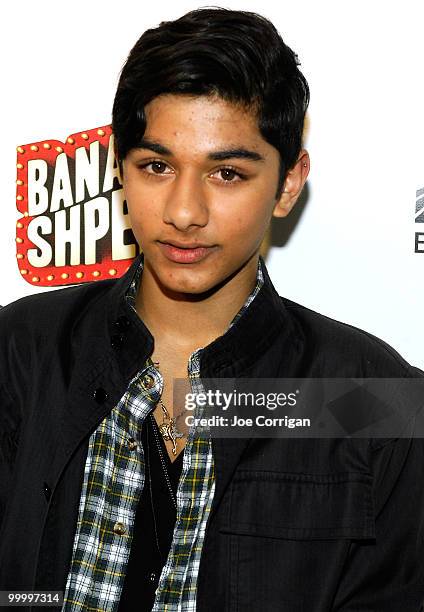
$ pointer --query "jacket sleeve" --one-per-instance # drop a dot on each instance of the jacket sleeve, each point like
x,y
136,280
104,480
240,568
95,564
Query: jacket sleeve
x,y
387,575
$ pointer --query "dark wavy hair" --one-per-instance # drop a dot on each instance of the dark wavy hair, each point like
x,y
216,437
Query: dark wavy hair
x,y
237,55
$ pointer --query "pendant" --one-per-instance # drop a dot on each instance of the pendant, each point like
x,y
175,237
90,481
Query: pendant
x,y
169,431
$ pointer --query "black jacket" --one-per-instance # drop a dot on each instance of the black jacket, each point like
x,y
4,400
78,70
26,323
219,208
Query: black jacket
x,y
296,524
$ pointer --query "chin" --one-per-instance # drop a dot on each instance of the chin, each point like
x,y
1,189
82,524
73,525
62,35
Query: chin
x,y
193,279
181,283
188,281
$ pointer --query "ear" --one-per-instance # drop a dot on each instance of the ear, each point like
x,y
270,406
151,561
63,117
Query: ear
x,y
293,185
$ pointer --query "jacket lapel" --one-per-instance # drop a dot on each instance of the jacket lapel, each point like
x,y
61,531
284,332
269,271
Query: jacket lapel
x,y
264,343
109,346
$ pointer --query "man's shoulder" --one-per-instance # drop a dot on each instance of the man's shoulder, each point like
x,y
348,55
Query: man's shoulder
x,y
44,311
339,346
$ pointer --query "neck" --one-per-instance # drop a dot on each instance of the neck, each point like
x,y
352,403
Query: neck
x,y
190,321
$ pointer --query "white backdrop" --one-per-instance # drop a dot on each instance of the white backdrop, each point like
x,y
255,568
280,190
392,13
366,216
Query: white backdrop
x,y
351,255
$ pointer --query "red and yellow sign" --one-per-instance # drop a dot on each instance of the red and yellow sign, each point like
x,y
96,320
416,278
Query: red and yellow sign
x,y
74,226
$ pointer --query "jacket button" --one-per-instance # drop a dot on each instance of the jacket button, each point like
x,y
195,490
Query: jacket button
x,y
116,341
148,381
122,323
152,577
100,395
47,491
119,528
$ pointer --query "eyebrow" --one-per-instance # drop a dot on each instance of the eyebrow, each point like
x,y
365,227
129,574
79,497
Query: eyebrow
x,y
240,153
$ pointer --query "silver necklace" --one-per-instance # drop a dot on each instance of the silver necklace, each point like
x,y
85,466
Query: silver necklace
x,y
167,479
162,460
151,494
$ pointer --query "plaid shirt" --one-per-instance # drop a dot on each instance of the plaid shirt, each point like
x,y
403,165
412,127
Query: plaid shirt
x,y
112,486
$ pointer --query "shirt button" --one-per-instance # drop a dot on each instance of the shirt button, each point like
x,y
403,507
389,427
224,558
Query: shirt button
x,y
148,381
132,444
119,528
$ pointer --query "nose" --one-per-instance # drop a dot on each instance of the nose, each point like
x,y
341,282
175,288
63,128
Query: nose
x,y
186,204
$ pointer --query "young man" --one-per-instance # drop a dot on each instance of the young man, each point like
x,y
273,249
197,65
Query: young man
x,y
101,496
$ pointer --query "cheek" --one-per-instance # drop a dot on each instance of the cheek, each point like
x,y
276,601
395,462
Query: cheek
x,y
142,210
249,209
249,221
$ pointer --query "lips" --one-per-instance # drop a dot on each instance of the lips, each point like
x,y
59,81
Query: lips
x,y
178,252
185,245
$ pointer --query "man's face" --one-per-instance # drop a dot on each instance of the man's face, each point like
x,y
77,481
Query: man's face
x,y
203,176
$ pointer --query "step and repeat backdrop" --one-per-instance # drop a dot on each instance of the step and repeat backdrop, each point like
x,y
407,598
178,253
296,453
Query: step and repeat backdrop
x,y
352,249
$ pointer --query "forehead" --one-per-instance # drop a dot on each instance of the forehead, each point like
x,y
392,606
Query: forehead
x,y
200,123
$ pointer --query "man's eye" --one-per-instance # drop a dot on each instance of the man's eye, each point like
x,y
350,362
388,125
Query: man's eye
x,y
229,175
158,167
154,167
